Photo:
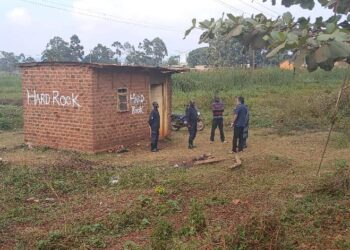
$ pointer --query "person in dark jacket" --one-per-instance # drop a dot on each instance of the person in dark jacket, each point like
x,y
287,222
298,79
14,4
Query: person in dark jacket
x,y
191,121
238,124
246,129
218,119
154,123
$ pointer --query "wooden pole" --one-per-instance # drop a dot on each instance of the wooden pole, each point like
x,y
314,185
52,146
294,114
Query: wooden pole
x,y
333,120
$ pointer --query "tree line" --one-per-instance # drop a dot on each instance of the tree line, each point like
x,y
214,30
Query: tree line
x,y
220,52
148,52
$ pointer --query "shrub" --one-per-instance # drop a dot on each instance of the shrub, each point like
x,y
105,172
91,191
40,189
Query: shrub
x,y
162,235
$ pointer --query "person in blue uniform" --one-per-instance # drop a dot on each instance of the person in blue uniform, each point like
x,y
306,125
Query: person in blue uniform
x,y
191,120
239,123
154,123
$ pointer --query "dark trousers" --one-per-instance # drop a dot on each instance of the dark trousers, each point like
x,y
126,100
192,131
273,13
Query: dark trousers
x,y
217,122
192,130
237,139
245,137
154,139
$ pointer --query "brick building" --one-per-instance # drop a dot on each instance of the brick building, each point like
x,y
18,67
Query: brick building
x,y
92,107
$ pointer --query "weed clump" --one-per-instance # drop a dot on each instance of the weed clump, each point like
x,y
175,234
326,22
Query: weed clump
x,y
162,235
197,222
338,183
260,232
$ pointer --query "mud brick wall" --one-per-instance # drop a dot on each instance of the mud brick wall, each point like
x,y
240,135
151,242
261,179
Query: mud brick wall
x,y
112,127
58,103
75,106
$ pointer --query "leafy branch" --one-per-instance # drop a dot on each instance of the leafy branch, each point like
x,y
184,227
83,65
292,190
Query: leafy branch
x,y
318,44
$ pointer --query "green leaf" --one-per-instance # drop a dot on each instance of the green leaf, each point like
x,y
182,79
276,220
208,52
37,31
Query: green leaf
x,y
299,58
278,36
324,37
266,37
276,50
187,32
341,36
339,49
287,17
311,62
307,4
322,54
318,22
232,17
292,38
236,31
330,28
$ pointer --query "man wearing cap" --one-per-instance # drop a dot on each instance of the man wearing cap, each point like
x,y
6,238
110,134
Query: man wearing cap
x,y
154,123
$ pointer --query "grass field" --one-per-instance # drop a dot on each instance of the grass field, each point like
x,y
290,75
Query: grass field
x,y
52,199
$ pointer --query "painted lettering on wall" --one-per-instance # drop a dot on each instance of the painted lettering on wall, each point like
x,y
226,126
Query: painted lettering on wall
x,y
137,101
54,98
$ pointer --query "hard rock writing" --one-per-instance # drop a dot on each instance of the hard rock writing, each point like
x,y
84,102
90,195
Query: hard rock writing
x,y
137,101
54,98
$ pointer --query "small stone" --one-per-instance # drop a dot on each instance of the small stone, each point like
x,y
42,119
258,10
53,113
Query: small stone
x,y
33,199
114,180
236,201
50,199
298,196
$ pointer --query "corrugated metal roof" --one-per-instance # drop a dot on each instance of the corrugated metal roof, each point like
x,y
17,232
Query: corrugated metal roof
x,y
163,70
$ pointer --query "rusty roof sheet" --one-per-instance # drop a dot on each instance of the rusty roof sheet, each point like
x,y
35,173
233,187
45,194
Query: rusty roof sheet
x,y
163,70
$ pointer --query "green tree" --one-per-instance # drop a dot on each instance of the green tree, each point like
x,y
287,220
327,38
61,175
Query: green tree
x,y
119,48
8,61
173,60
57,50
100,54
200,56
77,50
29,60
148,52
319,44
159,50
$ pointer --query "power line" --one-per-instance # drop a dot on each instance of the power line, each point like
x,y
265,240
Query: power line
x,y
104,14
230,7
262,5
97,15
253,7
239,10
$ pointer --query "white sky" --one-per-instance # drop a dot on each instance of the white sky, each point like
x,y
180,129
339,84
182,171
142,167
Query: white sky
x,y
26,25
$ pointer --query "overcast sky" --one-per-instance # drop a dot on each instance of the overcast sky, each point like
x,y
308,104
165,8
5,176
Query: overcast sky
x,y
27,25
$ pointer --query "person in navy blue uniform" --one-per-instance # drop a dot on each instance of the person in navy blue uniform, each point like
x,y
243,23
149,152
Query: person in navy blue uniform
x,y
239,123
154,123
191,120
246,130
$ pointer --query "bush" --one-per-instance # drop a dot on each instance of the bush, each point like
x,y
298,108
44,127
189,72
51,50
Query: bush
x,y
338,183
260,232
162,236
10,117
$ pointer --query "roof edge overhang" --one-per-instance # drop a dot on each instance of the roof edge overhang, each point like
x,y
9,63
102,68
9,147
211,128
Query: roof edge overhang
x,y
163,70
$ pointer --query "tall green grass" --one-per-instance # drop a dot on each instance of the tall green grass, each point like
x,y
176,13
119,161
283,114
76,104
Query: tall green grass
x,y
10,88
275,98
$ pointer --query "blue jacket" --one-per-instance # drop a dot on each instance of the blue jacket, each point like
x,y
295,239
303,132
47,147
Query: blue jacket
x,y
191,115
154,120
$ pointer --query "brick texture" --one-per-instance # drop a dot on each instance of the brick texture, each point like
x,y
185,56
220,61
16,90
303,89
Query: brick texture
x,y
76,106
